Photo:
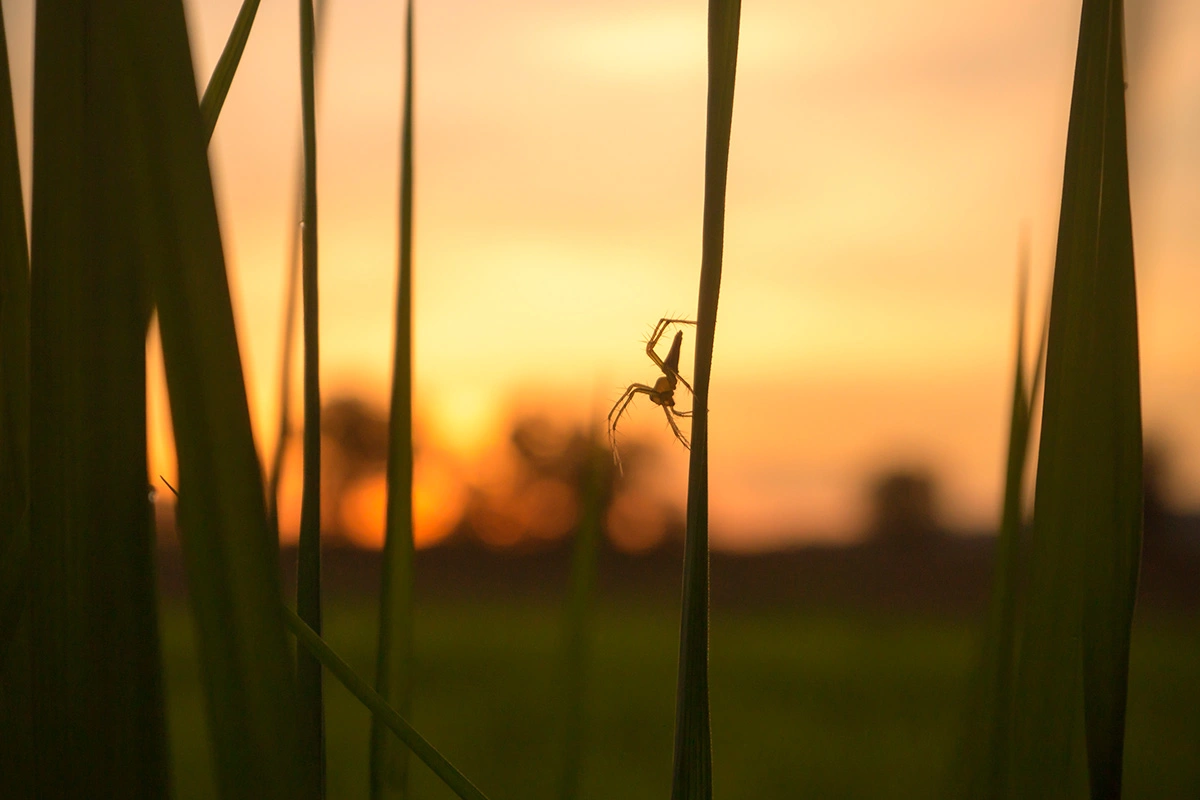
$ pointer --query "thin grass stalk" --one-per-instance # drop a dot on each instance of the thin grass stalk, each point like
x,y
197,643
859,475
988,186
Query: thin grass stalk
x,y
596,482
1069,717
16,710
313,643
222,77
291,291
308,578
393,672
14,368
983,763
692,778
284,426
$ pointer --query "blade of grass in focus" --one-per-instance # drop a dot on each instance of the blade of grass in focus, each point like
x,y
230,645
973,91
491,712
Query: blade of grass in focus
x,y
308,573
982,771
98,717
16,712
222,76
692,774
393,671
14,367
284,426
379,708
1069,716
171,222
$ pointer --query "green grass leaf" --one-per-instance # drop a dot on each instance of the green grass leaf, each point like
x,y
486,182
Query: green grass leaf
x,y
379,708
97,691
16,711
222,77
284,426
982,769
1073,661
393,675
308,577
170,222
14,367
597,491
692,774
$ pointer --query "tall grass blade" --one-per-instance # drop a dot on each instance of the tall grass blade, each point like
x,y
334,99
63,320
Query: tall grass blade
x,y
222,77
98,716
308,577
16,712
983,768
597,482
692,778
291,290
283,428
14,367
379,708
1087,513
145,137
393,672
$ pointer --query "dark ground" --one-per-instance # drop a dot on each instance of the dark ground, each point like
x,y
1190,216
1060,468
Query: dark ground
x,y
835,672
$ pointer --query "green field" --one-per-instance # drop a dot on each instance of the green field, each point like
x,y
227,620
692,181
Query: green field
x,y
818,705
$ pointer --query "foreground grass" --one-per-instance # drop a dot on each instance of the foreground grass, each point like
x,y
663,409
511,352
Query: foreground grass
x,y
820,705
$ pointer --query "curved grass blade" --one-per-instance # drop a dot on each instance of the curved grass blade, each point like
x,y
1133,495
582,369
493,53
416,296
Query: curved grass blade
x,y
222,77
231,559
308,577
692,778
1073,663
379,708
393,673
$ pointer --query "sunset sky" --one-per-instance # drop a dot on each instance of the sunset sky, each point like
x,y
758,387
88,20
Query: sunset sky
x,y
886,157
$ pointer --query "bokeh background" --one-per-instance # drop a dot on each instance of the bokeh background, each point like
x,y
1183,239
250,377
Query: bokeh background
x,y
887,162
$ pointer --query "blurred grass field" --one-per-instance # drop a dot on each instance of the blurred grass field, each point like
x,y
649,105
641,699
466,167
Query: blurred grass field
x,y
820,704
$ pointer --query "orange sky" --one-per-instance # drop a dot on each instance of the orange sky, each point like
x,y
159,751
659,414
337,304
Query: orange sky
x,y
884,160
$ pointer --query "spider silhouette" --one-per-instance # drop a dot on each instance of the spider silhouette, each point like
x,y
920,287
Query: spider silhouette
x,y
662,393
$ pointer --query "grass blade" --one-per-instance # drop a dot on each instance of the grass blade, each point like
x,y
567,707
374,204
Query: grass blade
x,y
597,483
222,77
308,577
379,708
232,561
1087,514
14,366
284,426
16,711
692,779
393,675
97,692
983,766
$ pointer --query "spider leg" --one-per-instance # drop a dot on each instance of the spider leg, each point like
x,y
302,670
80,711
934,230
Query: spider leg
x,y
681,413
678,433
614,416
652,342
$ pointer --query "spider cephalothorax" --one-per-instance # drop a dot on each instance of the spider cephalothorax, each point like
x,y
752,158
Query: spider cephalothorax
x,y
662,393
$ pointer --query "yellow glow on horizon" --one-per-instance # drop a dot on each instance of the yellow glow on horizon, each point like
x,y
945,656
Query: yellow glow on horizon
x,y
881,168
438,500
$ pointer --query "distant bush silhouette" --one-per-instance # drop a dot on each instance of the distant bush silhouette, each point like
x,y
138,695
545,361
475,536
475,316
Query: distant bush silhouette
x,y
903,502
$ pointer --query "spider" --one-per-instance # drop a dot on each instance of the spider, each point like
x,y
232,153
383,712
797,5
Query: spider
x,y
662,393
